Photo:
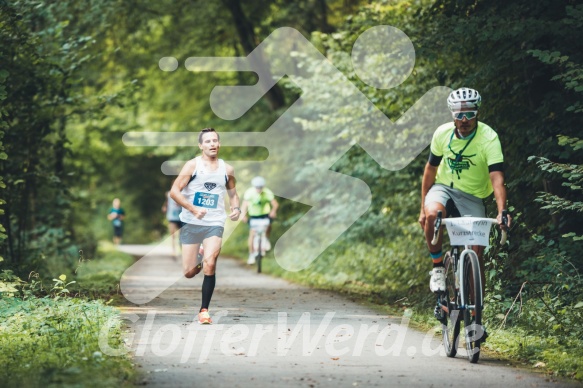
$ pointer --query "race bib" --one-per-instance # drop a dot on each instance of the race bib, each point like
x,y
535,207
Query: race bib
x,y
207,200
117,222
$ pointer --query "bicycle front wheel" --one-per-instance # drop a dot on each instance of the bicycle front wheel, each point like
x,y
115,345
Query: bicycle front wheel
x,y
450,321
474,331
259,255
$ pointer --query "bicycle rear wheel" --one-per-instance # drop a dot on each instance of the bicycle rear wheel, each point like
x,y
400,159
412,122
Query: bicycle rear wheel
x,y
450,312
474,330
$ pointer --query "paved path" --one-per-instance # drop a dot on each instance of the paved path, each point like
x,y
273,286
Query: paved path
x,y
269,332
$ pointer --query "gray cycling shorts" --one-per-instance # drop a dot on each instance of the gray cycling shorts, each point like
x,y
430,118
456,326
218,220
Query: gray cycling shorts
x,y
452,199
195,234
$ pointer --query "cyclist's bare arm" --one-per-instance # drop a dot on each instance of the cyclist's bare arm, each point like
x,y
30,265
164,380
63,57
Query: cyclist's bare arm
x,y
497,178
428,180
274,207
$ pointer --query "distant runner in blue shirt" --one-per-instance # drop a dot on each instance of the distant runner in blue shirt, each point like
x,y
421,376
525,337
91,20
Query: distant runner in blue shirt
x,y
116,216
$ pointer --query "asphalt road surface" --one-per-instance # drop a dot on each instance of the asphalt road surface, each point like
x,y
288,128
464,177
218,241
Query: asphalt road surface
x,y
268,332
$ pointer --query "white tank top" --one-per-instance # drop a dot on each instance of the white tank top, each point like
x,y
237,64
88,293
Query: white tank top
x,y
206,189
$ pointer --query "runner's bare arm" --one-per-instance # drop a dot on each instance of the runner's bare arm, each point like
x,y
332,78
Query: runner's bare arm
x,y
232,192
180,183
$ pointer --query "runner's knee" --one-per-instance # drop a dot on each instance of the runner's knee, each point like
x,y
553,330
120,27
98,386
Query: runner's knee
x,y
209,267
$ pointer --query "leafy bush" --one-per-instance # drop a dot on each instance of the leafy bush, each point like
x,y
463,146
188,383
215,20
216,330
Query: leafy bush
x,y
48,338
48,342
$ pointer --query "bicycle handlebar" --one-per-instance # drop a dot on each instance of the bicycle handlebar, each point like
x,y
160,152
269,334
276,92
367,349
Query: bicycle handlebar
x,y
503,227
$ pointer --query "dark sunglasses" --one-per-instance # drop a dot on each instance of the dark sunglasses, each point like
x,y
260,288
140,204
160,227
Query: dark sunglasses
x,y
468,115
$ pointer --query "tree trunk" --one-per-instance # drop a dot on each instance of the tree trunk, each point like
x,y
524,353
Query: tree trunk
x,y
249,42
321,10
9,238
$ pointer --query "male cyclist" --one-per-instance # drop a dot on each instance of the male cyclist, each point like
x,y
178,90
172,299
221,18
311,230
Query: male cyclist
x,y
259,202
465,166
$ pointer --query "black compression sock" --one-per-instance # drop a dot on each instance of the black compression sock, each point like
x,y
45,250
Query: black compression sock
x,y
208,286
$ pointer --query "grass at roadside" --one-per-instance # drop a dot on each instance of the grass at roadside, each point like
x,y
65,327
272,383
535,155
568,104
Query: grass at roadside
x,y
48,342
51,337
99,278
554,355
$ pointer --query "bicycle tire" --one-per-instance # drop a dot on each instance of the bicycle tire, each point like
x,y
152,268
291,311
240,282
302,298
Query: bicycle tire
x,y
474,331
259,256
450,324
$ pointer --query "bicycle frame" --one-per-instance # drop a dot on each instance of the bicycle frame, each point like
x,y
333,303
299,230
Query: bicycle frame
x,y
259,226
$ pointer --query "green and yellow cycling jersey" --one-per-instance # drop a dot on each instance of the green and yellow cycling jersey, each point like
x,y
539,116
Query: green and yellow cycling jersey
x,y
465,162
259,203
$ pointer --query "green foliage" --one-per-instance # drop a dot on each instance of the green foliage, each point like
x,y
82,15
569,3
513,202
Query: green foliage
x,y
9,283
96,279
60,287
56,342
549,297
553,297
572,176
49,338
43,63
3,156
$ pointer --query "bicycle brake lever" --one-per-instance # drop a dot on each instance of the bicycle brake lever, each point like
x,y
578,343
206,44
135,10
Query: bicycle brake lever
x,y
504,227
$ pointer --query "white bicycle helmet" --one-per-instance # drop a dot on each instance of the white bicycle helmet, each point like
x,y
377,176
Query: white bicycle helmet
x,y
464,98
258,182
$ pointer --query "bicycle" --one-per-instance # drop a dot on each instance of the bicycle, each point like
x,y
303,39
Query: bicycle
x,y
463,282
259,225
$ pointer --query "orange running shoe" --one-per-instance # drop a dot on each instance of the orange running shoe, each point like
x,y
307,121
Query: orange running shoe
x,y
204,318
